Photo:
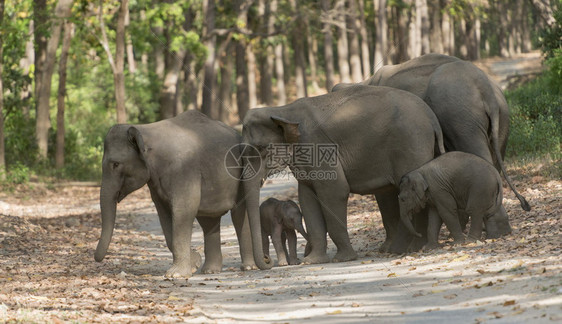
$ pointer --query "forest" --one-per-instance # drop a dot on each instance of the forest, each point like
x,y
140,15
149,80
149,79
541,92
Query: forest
x,y
70,69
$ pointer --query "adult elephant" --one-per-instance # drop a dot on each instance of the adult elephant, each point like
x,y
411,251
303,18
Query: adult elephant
x,y
471,109
182,159
359,140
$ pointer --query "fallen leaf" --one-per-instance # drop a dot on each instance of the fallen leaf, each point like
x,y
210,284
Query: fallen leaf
x,y
391,275
334,312
462,258
509,303
451,296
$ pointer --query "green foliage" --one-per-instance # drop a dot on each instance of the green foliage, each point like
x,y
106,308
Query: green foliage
x,y
16,174
536,120
550,39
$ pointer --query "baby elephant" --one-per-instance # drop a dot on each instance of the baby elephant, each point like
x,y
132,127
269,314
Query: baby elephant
x,y
280,219
452,183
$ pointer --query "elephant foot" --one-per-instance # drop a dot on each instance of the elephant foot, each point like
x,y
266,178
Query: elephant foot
x,y
385,247
417,244
282,263
431,246
248,266
178,271
314,258
196,261
294,261
211,267
344,256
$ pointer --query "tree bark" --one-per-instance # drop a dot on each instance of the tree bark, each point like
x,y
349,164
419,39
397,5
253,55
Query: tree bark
x,y
365,53
225,89
312,54
190,82
59,152
503,36
525,30
25,65
463,48
170,85
208,104
422,17
446,29
252,89
2,141
242,95
402,39
436,39
280,74
381,36
328,43
544,8
131,64
353,32
118,74
298,46
266,76
43,93
342,42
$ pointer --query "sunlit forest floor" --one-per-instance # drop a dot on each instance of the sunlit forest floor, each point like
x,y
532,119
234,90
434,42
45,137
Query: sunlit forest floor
x,y
48,274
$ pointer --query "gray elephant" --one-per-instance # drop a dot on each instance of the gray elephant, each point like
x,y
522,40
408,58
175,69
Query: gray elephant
x,y
471,109
182,159
364,139
280,220
453,182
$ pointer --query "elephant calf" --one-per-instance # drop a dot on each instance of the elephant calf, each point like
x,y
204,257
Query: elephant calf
x,y
280,219
449,185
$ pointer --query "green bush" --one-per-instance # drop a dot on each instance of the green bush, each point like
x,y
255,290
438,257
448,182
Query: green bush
x,y
536,119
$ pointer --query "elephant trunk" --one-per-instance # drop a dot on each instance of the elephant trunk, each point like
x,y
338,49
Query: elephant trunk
x,y
252,193
301,230
408,223
108,205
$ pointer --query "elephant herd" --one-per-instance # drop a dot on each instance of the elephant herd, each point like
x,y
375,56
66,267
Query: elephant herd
x,y
387,136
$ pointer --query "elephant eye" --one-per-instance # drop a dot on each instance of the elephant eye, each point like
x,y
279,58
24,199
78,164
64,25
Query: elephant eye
x,y
115,165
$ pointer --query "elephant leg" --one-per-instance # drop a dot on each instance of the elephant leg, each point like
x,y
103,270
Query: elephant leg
x,y
265,245
242,227
284,244
292,238
398,238
315,225
212,238
165,217
421,225
333,200
476,224
447,209
433,228
276,238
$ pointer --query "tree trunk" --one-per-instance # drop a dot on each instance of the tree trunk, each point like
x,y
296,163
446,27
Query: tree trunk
x,y
43,93
252,89
59,153
170,85
242,96
354,54
436,36
504,26
544,8
190,82
312,54
208,104
119,75
525,30
422,17
266,75
2,147
328,49
158,53
463,49
129,47
446,29
298,46
342,43
365,53
280,74
25,65
402,26
225,89
381,36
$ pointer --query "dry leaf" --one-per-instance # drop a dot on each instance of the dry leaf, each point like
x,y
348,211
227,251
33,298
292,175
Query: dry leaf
x,y
509,303
334,312
391,275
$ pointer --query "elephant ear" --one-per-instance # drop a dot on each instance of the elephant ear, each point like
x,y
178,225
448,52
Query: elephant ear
x,y
420,186
290,129
135,139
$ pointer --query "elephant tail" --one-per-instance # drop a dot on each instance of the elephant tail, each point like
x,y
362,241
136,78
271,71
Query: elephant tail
x,y
495,121
439,146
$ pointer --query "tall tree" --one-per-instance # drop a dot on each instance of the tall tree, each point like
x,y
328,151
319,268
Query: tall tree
x,y
422,19
328,43
365,56
342,42
446,29
61,94
544,9
2,148
47,56
353,33
267,62
242,94
298,46
280,74
381,28
436,38
208,105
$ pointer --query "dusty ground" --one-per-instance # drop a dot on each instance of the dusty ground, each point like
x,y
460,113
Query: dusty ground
x,y
47,271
